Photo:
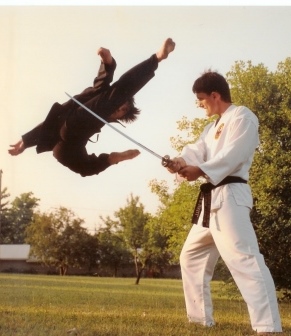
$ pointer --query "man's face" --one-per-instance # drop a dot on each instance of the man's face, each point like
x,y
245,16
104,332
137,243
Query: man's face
x,y
209,102
120,112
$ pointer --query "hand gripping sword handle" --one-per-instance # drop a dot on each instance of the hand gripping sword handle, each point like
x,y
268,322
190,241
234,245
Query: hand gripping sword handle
x,y
166,161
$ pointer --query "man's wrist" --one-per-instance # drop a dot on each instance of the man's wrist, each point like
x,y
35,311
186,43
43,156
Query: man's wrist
x,y
203,174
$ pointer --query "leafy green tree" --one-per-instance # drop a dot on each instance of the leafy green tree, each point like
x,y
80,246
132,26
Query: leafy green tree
x,y
191,130
89,250
132,220
113,252
134,237
4,222
175,214
58,239
158,243
4,198
17,217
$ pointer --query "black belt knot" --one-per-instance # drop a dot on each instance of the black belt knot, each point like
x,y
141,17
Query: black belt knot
x,y
205,193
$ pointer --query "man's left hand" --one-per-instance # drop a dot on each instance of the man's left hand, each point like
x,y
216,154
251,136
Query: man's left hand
x,y
191,173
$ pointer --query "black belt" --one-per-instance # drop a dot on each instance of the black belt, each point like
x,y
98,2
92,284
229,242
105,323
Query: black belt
x,y
205,193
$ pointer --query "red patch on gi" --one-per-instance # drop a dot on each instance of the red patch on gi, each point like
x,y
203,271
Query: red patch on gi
x,y
218,132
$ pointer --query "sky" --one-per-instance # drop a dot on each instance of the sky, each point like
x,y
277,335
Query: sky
x,y
49,50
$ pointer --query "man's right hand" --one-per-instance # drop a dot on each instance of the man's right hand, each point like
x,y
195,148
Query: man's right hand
x,y
16,149
176,164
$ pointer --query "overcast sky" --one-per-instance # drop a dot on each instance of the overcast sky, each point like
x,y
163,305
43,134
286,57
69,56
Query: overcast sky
x,y
49,50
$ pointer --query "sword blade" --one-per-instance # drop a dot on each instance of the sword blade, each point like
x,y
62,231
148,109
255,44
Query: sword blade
x,y
114,128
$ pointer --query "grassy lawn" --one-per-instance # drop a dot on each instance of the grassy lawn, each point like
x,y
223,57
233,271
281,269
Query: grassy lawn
x,y
38,305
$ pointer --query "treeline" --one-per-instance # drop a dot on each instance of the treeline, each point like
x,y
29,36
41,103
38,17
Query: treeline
x,y
59,239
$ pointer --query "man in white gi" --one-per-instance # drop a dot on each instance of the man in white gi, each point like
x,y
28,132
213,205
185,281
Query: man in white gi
x,y
223,155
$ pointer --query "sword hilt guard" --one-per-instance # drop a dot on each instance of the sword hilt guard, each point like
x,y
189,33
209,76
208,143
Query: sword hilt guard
x,y
166,161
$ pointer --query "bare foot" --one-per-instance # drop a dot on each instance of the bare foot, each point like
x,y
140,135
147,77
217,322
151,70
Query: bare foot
x,y
127,155
105,55
167,47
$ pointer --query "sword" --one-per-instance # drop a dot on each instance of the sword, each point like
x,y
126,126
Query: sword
x,y
166,161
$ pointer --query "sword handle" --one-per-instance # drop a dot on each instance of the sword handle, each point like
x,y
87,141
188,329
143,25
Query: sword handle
x,y
166,161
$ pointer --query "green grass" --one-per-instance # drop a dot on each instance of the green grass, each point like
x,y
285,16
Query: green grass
x,y
38,305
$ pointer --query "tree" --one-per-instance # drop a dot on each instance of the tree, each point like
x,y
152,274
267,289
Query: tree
x,y
4,223
113,252
132,220
158,244
17,217
58,239
4,199
175,214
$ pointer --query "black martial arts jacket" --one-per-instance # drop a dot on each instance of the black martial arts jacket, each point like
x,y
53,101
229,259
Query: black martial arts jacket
x,y
103,99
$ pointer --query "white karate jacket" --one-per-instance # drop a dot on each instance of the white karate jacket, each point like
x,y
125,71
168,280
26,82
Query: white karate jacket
x,y
227,149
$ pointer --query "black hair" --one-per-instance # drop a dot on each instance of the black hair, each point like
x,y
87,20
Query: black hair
x,y
132,112
212,81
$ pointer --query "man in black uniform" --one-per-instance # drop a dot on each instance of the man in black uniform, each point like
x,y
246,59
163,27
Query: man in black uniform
x,y
68,127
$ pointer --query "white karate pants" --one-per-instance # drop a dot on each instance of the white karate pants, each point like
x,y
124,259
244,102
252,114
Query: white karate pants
x,y
231,235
